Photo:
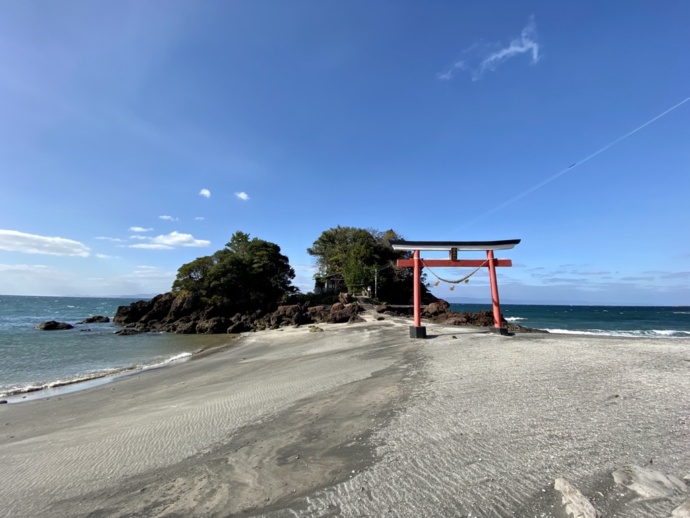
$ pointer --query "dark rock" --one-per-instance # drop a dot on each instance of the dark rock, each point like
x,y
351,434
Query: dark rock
x,y
185,326
52,325
183,305
238,327
340,314
144,311
436,308
95,320
128,331
212,326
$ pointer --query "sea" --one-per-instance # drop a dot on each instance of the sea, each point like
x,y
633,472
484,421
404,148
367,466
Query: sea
x,y
36,363
623,321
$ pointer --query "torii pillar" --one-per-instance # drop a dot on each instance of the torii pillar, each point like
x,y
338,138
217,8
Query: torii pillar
x,y
417,263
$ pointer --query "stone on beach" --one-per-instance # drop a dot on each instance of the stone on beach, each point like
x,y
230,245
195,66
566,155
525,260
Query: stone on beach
x,y
576,504
648,483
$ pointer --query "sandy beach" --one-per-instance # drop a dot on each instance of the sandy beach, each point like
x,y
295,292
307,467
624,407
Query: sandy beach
x,y
361,420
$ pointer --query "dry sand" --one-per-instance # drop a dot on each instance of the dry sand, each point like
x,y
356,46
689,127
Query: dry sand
x,y
361,420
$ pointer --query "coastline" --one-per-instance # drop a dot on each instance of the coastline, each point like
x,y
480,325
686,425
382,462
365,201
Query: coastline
x,y
359,420
208,344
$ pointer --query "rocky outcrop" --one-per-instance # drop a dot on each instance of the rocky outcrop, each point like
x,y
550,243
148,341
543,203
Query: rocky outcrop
x,y
95,320
439,312
187,314
52,325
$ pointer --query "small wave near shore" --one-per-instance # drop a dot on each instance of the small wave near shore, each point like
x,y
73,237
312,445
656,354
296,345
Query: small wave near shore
x,y
17,393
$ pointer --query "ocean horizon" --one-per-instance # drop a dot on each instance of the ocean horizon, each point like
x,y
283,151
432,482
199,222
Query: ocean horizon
x,y
37,361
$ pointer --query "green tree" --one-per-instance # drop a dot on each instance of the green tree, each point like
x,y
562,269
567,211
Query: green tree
x,y
246,275
363,257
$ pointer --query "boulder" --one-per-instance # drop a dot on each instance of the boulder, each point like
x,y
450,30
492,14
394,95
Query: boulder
x,y
238,327
52,325
435,309
212,326
128,331
95,320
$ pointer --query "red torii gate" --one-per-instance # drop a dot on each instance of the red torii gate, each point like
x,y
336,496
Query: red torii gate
x,y
418,331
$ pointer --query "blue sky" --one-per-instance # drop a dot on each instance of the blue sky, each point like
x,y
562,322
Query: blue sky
x,y
138,135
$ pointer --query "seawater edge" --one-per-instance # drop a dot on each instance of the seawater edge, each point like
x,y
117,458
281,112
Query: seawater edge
x,y
58,388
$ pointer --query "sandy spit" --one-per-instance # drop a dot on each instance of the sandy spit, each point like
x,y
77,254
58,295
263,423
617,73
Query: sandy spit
x,y
361,420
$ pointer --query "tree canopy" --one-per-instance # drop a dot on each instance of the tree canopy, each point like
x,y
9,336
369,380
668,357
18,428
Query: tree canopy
x,y
362,257
246,275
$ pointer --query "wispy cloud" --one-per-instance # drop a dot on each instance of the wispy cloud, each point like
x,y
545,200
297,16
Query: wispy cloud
x,y
446,76
113,239
15,241
172,240
480,58
677,275
590,272
205,193
150,272
151,246
199,218
168,218
242,195
140,229
21,267
104,256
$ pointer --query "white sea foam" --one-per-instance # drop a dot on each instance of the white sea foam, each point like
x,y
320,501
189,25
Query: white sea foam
x,y
79,382
173,359
655,333
514,319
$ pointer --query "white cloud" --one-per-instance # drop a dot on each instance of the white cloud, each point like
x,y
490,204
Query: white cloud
x,y
525,44
179,239
22,267
446,76
136,236
172,240
140,229
104,256
199,218
478,58
113,239
15,241
205,193
150,272
242,195
168,218
150,246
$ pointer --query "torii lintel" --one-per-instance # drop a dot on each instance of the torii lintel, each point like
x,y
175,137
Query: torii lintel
x,y
417,263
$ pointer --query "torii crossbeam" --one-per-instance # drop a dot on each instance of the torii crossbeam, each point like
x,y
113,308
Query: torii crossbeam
x,y
453,247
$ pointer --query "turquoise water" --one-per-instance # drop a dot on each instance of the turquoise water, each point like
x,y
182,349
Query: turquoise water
x,y
33,359
627,321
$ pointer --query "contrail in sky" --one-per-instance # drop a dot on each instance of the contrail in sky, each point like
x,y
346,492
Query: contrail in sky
x,y
573,166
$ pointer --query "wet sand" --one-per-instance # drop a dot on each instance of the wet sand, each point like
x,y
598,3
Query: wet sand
x,y
361,420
